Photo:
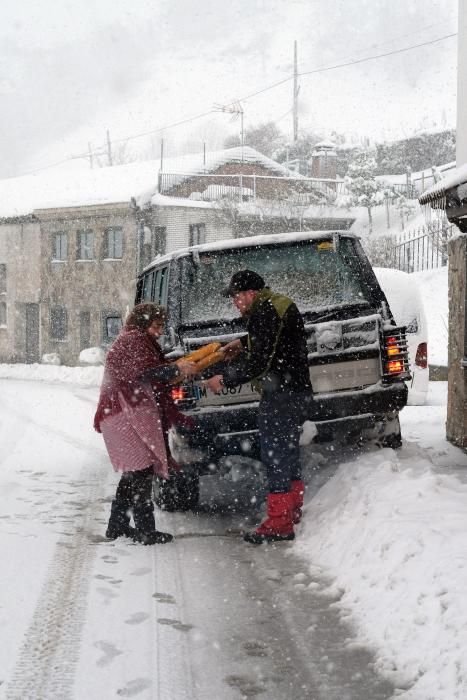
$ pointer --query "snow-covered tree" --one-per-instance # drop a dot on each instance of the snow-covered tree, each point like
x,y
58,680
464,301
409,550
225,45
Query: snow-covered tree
x,y
406,208
299,150
363,188
265,138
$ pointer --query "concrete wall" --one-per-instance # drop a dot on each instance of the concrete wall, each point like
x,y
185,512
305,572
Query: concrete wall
x,y
177,220
461,149
456,424
20,252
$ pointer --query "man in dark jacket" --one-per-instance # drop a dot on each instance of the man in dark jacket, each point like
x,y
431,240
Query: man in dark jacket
x,y
273,356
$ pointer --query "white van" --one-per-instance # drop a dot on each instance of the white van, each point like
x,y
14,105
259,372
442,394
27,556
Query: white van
x,y
403,294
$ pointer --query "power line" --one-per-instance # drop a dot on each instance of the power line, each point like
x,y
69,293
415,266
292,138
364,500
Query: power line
x,y
348,63
381,55
290,77
324,69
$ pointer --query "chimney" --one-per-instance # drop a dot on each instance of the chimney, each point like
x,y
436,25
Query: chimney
x,y
324,160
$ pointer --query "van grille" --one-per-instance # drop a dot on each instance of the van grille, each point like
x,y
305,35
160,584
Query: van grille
x,y
337,337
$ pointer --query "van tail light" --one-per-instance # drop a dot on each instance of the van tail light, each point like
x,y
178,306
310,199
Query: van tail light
x,y
421,358
183,395
395,355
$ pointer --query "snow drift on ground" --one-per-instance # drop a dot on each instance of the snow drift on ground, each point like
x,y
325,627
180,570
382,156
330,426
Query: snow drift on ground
x,y
391,530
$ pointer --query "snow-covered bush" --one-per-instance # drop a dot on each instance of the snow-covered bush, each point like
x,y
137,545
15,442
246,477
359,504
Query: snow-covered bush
x,y
51,358
92,356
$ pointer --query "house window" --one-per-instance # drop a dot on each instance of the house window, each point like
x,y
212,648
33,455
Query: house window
x,y
2,314
160,240
113,243
60,246
58,323
2,278
154,243
85,245
112,325
197,234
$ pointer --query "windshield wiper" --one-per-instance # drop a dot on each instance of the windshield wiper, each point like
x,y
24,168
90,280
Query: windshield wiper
x,y
332,312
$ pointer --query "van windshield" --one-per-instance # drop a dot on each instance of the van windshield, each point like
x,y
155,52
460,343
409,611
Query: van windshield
x,y
313,273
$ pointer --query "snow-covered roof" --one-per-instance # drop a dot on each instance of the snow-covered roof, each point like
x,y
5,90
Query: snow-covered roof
x,y
71,187
248,241
438,190
325,145
199,163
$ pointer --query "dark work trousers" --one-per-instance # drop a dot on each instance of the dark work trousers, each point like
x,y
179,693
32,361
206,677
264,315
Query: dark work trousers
x,y
135,487
280,418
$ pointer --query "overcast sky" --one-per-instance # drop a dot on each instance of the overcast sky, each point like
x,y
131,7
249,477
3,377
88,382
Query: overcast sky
x,y
71,69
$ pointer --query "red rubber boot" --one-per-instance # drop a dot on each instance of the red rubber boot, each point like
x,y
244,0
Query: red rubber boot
x,y
278,526
297,488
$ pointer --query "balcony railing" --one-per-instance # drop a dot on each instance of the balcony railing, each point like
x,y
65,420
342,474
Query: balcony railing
x,y
245,188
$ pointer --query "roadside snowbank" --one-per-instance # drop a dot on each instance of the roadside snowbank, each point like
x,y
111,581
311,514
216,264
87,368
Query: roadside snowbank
x,y
81,376
390,529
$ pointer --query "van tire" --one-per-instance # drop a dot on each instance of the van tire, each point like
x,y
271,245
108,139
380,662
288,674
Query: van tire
x,y
389,432
180,492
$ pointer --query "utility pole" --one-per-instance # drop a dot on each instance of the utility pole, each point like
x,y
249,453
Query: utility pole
x,y
242,137
109,148
296,90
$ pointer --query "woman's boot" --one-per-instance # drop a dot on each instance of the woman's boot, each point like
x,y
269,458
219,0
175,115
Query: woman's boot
x,y
119,521
145,532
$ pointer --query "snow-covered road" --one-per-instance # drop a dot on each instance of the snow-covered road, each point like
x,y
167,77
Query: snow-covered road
x,y
204,618
208,616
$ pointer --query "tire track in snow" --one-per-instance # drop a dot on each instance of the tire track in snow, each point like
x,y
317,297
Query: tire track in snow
x,y
173,677
45,669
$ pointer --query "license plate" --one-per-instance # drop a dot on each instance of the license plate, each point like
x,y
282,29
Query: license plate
x,y
238,394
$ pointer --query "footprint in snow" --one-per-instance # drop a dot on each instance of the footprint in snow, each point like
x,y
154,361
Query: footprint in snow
x,y
176,624
134,687
164,598
109,650
137,618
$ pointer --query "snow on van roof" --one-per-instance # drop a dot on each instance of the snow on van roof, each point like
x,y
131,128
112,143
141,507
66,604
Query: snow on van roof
x,y
265,239
403,294
71,186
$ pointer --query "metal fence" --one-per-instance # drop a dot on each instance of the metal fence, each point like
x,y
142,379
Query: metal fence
x,y
424,248
242,187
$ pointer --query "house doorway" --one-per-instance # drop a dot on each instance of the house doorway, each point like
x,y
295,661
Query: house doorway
x,y
32,334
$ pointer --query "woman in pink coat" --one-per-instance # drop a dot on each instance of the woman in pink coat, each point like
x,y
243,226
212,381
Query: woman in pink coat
x,y
134,414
